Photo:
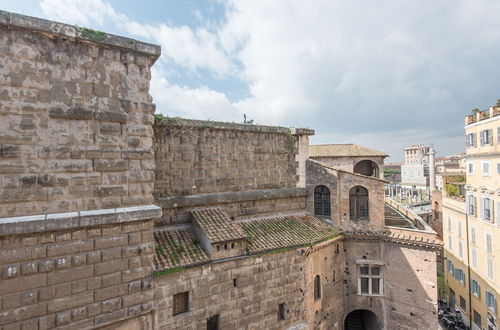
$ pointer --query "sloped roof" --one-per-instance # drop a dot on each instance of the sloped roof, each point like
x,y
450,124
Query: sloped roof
x,y
343,150
217,225
178,248
288,231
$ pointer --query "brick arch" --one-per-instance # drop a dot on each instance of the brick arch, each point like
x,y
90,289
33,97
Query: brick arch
x,y
362,319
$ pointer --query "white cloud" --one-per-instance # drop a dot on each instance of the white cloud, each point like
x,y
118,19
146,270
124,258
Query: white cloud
x,y
389,71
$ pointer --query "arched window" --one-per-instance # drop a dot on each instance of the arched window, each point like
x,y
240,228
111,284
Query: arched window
x,y
317,288
322,201
358,203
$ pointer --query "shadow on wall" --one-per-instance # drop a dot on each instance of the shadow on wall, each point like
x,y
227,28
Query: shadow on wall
x,y
361,319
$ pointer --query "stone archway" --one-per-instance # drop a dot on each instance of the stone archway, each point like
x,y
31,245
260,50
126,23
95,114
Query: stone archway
x,y
367,167
361,319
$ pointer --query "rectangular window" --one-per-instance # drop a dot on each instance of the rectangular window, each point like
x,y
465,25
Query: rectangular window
x,y
470,168
486,137
213,322
450,267
473,238
491,302
281,312
462,304
459,275
498,168
471,205
486,168
471,140
486,205
475,288
460,250
459,228
181,303
474,258
449,224
370,279
489,267
477,319
489,244
450,243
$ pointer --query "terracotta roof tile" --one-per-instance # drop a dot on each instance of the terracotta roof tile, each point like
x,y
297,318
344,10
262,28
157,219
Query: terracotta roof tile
x,y
282,232
343,150
178,248
217,225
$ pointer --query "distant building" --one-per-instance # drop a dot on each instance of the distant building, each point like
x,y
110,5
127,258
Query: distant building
x,y
471,230
350,157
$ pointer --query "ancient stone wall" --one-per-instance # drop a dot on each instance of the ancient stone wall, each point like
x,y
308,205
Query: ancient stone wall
x,y
78,277
200,157
76,176
245,293
75,121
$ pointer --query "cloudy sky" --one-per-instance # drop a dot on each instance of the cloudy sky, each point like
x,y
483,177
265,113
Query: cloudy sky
x,y
381,73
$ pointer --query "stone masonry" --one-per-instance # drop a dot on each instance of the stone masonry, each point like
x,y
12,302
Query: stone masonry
x,y
76,176
75,121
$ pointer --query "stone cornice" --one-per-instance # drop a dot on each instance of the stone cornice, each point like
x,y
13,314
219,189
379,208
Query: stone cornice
x,y
229,197
72,220
67,31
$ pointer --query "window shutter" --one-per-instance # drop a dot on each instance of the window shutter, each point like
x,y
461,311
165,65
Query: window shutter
x,y
498,214
491,206
481,207
467,204
474,200
482,138
474,139
490,136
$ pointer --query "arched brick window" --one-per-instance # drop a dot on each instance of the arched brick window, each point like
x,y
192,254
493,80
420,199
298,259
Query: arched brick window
x,y
358,203
317,288
322,201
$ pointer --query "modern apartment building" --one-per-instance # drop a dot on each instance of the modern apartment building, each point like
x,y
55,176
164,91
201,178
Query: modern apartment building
x,y
471,226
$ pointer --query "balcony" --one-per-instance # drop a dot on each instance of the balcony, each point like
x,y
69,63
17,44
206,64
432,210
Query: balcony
x,y
479,115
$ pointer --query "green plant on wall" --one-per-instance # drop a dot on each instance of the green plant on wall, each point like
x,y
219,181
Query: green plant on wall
x,y
93,35
451,189
475,110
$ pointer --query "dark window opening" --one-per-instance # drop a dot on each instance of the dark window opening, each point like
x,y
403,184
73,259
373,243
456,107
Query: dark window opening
x,y
462,303
181,303
317,288
235,283
225,246
213,322
232,245
334,276
322,201
218,247
281,312
358,203
477,319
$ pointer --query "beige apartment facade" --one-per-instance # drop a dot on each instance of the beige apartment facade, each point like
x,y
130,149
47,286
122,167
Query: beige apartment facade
x,y
471,226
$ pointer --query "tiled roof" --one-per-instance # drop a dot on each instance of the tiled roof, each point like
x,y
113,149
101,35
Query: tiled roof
x,y
217,225
178,248
282,232
343,150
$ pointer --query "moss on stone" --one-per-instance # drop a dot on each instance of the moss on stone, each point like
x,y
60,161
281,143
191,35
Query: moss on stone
x,y
94,35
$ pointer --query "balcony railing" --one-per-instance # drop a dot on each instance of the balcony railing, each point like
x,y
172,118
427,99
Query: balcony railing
x,y
482,115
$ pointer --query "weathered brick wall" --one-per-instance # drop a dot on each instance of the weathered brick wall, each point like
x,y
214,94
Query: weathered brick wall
x,y
409,277
79,278
75,120
199,157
